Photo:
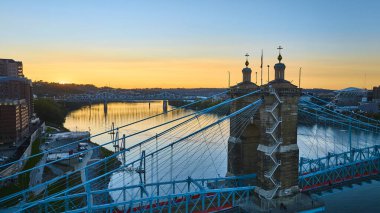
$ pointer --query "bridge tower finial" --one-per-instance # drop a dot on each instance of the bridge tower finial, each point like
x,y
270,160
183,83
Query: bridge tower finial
x,y
279,53
246,60
246,71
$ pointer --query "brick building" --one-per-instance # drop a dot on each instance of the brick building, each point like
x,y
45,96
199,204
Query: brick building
x,y
15,88
16,103
14,121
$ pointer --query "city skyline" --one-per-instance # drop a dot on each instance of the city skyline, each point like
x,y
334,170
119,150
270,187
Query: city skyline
x,y
177,44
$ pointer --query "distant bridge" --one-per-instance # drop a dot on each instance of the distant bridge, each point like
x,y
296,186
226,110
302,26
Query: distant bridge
x,y
111,96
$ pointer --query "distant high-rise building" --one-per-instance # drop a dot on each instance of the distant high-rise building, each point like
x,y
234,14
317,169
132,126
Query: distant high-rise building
x,y
16,103
11,68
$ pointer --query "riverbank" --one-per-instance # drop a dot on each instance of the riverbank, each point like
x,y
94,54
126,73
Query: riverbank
x,y
54,112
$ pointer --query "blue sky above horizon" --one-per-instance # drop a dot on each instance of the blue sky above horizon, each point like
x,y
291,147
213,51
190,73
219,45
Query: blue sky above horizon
x,y
180,43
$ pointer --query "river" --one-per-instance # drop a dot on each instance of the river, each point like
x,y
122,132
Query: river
x,y
313,141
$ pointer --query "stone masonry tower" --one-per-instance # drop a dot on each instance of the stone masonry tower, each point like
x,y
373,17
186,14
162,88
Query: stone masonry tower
x,y
268,145
278,153
240,159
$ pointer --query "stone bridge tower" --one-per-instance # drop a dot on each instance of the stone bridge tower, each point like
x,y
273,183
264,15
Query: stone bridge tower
x,y
241,159
268,145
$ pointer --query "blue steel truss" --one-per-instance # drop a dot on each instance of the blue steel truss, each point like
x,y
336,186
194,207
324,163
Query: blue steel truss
x,y
182,194
339,168
202,201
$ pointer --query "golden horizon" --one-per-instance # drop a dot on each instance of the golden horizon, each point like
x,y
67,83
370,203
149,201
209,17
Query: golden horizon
x,y
193,73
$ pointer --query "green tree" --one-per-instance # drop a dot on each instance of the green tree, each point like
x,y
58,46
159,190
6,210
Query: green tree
x,y
49,111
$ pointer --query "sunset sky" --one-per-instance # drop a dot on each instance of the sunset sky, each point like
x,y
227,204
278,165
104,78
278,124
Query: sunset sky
x,y
177,43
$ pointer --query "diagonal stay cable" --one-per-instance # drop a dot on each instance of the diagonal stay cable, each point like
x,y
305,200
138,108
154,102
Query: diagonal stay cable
x,y
163,148
116,128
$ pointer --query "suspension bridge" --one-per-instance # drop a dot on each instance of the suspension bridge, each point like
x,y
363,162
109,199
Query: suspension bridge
x,y
251,151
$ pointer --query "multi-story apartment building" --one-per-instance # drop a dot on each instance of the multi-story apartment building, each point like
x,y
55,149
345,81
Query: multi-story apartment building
x,y
16,103
14,121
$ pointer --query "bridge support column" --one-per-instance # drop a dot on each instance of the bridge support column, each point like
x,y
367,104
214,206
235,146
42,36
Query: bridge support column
x,y
165,106
242,146
278,154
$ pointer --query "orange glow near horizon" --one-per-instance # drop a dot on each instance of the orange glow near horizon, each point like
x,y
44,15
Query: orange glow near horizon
x,y
194,73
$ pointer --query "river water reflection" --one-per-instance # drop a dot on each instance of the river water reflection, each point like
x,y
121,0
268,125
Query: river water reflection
x,y
313,141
